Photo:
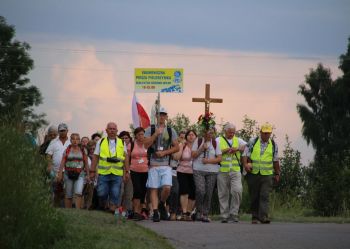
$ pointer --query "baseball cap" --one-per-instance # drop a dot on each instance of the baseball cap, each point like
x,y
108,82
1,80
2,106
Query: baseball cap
x,y
266,128
62,126
163,110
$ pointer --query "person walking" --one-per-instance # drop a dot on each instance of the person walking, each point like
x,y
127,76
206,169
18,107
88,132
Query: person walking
x,y
139,173
229,181
185,175
54,154
162,141
75,164
206,155
110,158
260,160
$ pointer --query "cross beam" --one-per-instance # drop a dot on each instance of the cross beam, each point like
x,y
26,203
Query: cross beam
x,y
207,100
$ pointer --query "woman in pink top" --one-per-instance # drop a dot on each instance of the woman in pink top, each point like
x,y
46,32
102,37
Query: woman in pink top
x,y
185,175
139,171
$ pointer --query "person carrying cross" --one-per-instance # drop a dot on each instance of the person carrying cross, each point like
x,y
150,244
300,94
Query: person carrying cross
x,y
229,178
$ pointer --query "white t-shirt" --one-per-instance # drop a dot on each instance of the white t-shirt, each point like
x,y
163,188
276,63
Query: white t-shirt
x,y
56,149
241,142
210,153
112,147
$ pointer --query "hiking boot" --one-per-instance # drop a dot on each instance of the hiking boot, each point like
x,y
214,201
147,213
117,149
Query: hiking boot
x,y
156,217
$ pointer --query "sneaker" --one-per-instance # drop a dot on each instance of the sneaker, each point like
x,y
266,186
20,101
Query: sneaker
x,y
224,220
255,221
234,219
156,217
197,216
138,217
265,221
205,219
144,214
163,213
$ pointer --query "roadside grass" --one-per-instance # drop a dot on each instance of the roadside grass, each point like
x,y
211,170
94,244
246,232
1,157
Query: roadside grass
x,y
98,230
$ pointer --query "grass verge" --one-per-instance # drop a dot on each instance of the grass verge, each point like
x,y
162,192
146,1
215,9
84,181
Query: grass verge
x,y
97,230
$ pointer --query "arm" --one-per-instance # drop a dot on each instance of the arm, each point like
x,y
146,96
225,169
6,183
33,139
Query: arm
x,y
173,149
126,174
94,162
215,160
60,171
177,155
200,150
277,170
151,139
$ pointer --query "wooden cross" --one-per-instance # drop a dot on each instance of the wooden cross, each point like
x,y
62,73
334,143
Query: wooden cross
x,y
207,100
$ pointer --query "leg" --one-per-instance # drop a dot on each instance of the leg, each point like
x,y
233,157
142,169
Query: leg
x,y
224,193
199,181
78,191
102,191
254,192
69,187
266,187
114,194
236,193
210,185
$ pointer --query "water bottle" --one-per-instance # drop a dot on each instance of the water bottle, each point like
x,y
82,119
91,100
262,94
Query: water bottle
x,y
116,216
123,215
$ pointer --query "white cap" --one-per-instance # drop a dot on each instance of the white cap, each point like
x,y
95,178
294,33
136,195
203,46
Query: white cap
x,y
163,110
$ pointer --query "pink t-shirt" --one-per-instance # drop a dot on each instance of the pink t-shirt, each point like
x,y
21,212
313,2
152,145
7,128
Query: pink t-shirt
x,y
185,164
139,161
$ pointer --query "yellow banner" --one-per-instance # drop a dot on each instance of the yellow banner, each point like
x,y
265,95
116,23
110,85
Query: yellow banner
x,y
154,80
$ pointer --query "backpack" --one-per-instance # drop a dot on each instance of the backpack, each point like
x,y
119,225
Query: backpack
x,y
73,173
151,150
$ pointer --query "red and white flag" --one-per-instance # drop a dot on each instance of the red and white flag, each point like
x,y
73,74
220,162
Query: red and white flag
x,y
139,115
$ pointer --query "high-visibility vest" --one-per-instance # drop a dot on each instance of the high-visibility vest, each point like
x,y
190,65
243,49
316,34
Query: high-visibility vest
x,y
115,168
229,161
262,163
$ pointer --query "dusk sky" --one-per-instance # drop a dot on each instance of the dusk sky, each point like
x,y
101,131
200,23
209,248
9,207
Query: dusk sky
x,y
253,53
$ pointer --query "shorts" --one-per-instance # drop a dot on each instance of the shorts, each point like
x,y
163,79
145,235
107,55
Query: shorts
x,y
186,185
159,176
74,186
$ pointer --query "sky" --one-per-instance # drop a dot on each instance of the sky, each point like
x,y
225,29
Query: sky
x,y
254,54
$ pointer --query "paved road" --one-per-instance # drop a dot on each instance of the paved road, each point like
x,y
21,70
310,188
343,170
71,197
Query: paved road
x,y
245,235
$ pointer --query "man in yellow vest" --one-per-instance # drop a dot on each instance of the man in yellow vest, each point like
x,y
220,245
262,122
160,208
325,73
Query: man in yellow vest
x,y
111,160
229,178
260,160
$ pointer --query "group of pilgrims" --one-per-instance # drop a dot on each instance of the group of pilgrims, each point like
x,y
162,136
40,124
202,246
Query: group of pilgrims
x,y
157,174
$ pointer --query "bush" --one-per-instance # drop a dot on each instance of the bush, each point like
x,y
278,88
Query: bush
x,y
27,219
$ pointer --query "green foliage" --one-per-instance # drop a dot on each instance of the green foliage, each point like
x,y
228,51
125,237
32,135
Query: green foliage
x,y
250,129
27,219
181,122
326,119
293,176
17,99
97,230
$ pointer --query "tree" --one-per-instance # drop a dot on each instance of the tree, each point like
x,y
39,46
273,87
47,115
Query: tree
x,y
326,119
181,122
17,99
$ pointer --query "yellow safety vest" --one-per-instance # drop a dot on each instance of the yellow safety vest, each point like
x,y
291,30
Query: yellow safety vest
x,y
229,161
262,163
115,168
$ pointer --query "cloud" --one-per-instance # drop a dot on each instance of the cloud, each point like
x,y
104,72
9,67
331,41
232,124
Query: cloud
x,y
90,86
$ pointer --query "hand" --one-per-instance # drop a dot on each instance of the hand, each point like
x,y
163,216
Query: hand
x,y
248,167
205,160
126,176
160,154
92,175
233,150
277,178
159,130
59,176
